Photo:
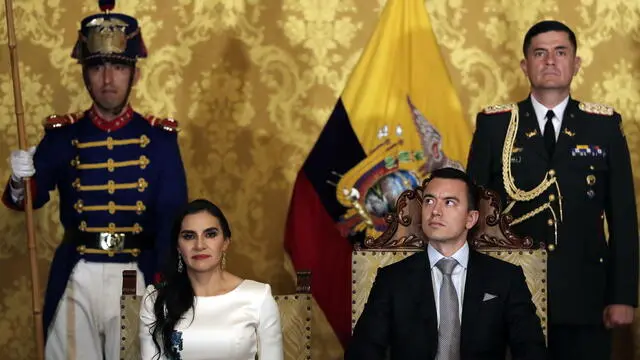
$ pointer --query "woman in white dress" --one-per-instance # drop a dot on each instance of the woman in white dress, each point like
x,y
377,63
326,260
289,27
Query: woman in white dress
x,y
200,311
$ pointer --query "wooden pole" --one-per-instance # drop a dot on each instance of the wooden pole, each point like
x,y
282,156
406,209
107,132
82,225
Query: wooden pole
x,y
28,208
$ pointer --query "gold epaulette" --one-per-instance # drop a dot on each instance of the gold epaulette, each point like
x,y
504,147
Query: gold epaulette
x,y
598,109
497,109
59,121
167,124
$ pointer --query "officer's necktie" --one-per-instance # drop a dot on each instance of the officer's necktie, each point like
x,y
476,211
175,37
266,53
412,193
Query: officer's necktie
x,y
449,329
549,133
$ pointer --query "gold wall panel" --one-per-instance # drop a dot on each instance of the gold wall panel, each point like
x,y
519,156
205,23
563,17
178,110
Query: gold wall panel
x,y
252,83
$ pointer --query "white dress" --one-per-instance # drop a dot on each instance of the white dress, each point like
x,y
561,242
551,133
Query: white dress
x,y
232,326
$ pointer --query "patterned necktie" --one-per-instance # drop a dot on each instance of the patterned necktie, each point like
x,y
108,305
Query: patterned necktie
x,y
449,329
549,133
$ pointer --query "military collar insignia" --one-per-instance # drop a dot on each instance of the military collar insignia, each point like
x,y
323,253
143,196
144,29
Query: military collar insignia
x,y
113,125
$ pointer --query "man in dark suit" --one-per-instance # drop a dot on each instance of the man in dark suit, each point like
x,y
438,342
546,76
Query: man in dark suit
x,y
561,166
448,302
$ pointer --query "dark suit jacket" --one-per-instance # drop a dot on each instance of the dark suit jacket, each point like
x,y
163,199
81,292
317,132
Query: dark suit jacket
x,y
584,272
400,315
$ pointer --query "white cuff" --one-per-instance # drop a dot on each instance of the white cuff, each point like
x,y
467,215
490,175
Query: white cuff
x,y
17,194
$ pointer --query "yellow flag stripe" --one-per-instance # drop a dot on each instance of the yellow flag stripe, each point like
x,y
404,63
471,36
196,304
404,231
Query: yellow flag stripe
x,y
403,59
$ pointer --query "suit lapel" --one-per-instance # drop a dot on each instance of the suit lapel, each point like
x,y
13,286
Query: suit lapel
x,y
529,135
425,302
566,138
473,293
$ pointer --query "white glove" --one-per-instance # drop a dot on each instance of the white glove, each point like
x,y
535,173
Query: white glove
x,y
22,164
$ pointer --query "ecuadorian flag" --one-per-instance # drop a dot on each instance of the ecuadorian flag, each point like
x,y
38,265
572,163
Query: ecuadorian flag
x,y
398,118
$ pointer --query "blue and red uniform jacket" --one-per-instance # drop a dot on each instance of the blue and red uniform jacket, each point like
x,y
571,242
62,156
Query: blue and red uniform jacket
x,y
123,176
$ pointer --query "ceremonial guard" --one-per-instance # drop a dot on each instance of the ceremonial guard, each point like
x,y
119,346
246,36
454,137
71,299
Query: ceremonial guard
x,y
562,167
120,179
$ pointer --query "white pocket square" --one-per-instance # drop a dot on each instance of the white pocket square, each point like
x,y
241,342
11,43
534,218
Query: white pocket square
x,y
488,297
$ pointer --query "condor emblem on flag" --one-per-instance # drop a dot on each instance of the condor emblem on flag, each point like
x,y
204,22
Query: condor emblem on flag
x,y
370,189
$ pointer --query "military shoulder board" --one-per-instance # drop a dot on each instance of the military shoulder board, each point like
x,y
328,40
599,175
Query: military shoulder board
x,y
60,121
167,124
497,109
598,109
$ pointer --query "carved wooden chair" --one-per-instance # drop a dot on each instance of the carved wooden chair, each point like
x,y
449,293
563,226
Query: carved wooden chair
x,y
295,318
491,236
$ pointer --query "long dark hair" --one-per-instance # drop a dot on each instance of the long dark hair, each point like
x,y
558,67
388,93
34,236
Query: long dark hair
x,y
175,293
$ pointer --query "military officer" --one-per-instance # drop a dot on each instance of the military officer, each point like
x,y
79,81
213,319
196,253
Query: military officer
x,y
120,178
562,167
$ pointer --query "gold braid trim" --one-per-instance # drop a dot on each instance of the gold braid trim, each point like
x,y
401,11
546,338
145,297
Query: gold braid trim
x,y
111,253
541,208
517,194
531,214
512,203
110,143
559,201
507,178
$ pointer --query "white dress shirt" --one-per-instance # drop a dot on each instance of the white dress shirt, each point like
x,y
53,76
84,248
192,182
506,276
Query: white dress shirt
x,y
458,276
541,112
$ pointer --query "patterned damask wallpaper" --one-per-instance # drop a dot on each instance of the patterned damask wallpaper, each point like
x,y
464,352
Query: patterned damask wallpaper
x,y
252,83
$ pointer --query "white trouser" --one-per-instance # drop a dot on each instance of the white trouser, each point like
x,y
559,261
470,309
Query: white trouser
x,y
86,325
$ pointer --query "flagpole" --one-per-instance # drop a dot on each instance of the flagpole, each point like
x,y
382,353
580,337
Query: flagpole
x,y
28,208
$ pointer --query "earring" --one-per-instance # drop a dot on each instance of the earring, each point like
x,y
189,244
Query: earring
x,y
224,260
180,264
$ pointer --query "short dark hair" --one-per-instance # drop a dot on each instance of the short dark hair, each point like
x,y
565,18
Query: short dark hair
x,y
455,174
546,26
